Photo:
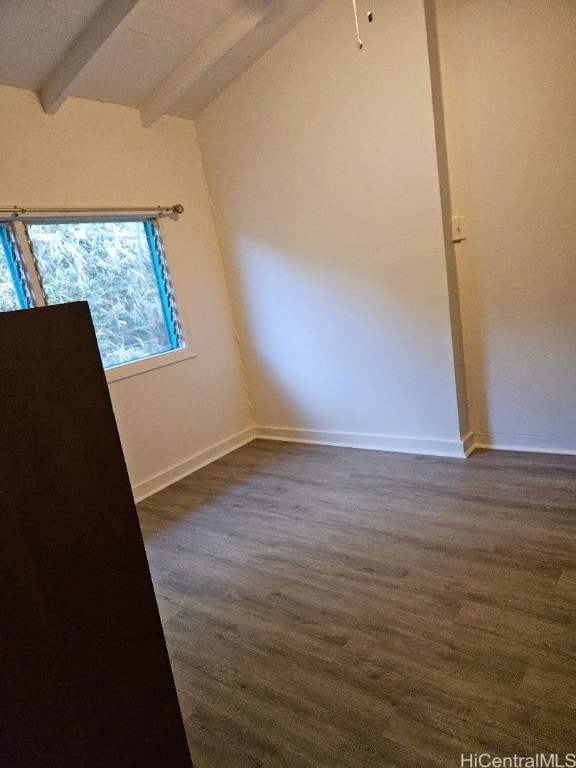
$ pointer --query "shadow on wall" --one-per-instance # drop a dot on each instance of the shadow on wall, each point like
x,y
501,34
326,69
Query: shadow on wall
x,y
356,342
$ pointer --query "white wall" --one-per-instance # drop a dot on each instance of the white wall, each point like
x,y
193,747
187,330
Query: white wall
x,y
93,154
509,71
322,164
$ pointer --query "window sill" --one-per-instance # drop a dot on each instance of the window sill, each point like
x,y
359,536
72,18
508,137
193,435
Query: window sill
x,y
138,367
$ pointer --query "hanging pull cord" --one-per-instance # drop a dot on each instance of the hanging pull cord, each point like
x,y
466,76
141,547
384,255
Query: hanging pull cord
x,y
358,40
369,14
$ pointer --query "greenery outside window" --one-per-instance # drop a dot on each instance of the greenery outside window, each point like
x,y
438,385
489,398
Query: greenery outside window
x,y
118,267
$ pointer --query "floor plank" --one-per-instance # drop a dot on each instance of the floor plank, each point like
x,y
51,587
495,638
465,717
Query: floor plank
x,y
335,608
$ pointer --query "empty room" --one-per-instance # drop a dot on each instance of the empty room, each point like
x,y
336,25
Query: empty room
x,y
288,370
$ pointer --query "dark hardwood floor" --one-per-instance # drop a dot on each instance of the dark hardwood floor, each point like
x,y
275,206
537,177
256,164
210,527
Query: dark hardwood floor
x,y
344,608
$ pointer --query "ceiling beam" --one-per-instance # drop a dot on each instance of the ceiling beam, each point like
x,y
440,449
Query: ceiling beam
x,y
104,27
162,98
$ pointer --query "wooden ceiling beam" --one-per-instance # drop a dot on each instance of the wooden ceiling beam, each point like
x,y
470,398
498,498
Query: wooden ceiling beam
x,y
162,98
111,19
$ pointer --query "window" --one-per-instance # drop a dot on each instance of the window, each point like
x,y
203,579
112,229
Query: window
x,y
14,293
117,266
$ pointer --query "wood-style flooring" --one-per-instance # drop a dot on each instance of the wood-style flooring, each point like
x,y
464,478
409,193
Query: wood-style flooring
x,y
338,608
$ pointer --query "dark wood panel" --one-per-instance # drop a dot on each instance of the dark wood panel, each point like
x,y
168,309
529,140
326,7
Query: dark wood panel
x,y
84,673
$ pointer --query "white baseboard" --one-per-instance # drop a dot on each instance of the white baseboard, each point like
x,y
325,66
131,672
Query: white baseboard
x,y
528,443
176,472
454,448
469,443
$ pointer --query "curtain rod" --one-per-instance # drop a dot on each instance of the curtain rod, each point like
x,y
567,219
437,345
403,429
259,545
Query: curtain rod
x,y
17,211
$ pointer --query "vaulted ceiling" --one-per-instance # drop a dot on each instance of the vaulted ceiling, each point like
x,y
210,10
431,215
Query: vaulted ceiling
x,y
162,56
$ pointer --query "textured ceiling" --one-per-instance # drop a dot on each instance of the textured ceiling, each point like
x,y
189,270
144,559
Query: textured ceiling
x,y
156,44
35,34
